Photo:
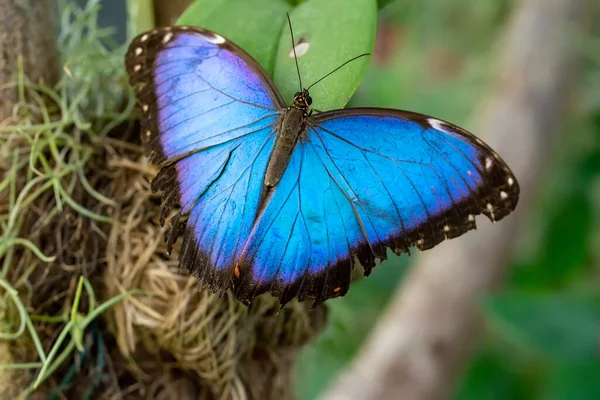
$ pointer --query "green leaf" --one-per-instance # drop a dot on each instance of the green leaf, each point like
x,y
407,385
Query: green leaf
x,y
254,25
336,31
574,382
562,327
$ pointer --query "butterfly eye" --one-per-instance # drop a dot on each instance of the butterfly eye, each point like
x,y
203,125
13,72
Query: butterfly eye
x,y
297,94
309,100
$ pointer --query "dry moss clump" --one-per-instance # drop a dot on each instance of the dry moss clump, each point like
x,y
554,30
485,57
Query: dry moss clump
x,y
227,345
91,305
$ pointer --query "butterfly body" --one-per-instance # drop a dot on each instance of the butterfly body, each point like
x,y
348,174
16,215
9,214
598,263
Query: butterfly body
x,y
275,199
292,127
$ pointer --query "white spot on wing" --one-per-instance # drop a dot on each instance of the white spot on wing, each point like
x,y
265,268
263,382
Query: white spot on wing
x,y
148,133
167,37
138,51
446,228
144,38
489,162
137,67
490,208
469,172
214,38
503,195
145,107
420,242
439,125
510,181
471,217
301,49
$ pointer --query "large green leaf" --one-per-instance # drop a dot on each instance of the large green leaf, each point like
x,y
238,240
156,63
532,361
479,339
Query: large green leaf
x,y
254,25
336,31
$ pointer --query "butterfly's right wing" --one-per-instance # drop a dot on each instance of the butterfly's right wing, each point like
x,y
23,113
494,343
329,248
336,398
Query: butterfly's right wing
x,y
361,181
208,116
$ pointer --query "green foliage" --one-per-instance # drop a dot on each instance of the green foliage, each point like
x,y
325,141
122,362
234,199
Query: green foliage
x,y
260,28
573,382
562,327
70,337
493,376
334,38
569,215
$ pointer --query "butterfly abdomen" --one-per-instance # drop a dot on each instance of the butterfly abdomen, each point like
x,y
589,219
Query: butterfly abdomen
x,y
291,128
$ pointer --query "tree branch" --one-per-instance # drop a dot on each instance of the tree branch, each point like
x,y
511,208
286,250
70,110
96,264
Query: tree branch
x,y
167,12
27,29
426,334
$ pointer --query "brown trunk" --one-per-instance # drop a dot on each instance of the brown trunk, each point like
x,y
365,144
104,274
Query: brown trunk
x,y
27,29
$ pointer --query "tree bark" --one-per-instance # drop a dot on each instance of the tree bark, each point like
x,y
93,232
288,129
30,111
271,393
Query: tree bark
x,y
27,29
425,336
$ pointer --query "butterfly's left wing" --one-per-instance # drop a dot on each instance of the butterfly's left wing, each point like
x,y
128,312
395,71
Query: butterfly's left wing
x,y
208,116
361,180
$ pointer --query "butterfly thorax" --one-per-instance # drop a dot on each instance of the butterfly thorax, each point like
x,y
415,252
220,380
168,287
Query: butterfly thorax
x,y
291,128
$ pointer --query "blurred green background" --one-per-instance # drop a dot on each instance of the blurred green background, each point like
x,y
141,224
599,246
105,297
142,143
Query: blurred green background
x,y
542,337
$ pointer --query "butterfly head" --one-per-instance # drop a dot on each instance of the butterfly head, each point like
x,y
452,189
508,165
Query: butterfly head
x,y
302,100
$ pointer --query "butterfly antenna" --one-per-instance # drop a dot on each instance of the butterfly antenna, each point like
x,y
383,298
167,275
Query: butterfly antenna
x,y
294,48
347,62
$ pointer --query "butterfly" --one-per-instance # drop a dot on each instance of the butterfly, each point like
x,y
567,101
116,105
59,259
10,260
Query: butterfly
x,y
279,199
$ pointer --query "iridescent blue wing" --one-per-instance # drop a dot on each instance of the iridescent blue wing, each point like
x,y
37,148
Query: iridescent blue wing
x,y
361,180
207,117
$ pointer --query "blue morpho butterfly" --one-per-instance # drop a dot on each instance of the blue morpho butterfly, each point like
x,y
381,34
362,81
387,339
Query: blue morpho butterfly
x,y
275,199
